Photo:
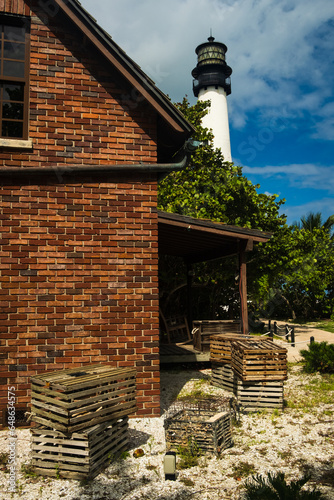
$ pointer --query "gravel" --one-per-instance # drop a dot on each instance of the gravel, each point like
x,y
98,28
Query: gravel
x,y
293,442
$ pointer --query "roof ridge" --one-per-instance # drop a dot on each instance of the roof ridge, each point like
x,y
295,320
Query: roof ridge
x,y
133,69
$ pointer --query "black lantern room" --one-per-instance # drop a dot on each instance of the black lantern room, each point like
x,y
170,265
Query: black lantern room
x,y
211,69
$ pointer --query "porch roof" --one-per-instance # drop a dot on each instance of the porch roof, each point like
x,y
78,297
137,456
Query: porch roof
x,y
198,240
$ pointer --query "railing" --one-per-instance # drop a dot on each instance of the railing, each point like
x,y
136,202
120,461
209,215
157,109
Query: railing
x,y
288,331
212,79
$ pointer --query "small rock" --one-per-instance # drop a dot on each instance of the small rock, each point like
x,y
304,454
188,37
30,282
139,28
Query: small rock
x,y
138,453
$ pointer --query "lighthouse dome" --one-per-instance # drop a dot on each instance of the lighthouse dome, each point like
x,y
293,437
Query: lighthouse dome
x,y
211,69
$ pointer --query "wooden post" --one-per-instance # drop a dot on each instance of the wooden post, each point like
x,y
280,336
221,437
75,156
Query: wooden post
x,y
293,336
189,295
243,288
287,333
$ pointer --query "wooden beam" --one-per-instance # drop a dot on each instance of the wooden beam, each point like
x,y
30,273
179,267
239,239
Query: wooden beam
x,y
189,295
243,287
199,226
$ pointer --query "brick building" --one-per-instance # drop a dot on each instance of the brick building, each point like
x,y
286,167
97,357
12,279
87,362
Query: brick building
x,y
84,136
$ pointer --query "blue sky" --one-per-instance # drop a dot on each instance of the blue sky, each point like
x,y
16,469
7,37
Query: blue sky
x,y
281,109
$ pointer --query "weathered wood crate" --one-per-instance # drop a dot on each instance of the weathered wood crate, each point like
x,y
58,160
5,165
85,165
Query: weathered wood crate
x,y
222,376
203,329
79,398
82,455
254,396
250,396
258,360
220,346
209,428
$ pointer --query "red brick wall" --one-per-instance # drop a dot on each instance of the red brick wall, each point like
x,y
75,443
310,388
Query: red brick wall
x,y
20,7
78,267
78,255
81,111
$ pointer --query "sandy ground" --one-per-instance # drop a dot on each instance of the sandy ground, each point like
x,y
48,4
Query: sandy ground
x,y
298,440
295,441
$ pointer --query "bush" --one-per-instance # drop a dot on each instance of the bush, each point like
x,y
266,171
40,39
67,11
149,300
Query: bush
x,y
318,358
274,487
189,455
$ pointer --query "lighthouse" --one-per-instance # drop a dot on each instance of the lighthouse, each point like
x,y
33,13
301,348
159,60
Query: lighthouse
x,y
212,83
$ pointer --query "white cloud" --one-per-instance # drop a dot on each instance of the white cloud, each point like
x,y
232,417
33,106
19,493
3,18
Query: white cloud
x,y
281,53
301,176
274,47
323,205
325,124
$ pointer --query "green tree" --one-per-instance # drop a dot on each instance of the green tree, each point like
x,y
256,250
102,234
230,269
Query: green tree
x,y
214,189
315,221
297,274
290,275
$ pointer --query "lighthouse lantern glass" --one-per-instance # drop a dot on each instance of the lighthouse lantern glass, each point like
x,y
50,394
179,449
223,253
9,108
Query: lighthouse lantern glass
x,y
211,55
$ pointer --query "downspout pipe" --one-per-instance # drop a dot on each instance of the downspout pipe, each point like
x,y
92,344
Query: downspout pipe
x,y
162,169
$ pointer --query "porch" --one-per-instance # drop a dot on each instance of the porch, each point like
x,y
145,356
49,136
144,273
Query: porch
x,y
182,353
197,240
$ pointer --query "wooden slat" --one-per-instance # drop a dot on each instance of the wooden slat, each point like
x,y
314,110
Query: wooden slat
x,y
83,455
220,346
68,400
75,399
84,405
222,376
212,431
204,329
66,380
255,360
44,418
253,396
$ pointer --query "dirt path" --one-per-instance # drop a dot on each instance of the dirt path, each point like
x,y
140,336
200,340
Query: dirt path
x,y
302,339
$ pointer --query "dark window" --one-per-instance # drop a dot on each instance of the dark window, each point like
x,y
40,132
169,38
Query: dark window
x,y
14,77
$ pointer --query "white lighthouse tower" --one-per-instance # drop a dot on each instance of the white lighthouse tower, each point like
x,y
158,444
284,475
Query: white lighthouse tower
x,y
212,83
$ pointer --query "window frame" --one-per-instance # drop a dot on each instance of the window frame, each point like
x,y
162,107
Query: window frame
x,y
24,22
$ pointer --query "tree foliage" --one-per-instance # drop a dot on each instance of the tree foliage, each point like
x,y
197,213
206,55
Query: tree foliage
x,y
297,276
211,188
290,275
314,221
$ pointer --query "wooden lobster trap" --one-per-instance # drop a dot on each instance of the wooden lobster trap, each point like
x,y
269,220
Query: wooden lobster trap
x,y
220,346
258,360
258,395
207,423
79,398
82,455
250,396
204,329
223,376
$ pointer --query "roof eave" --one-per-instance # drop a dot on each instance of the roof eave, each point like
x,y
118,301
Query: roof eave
x,y
126,66
207,226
